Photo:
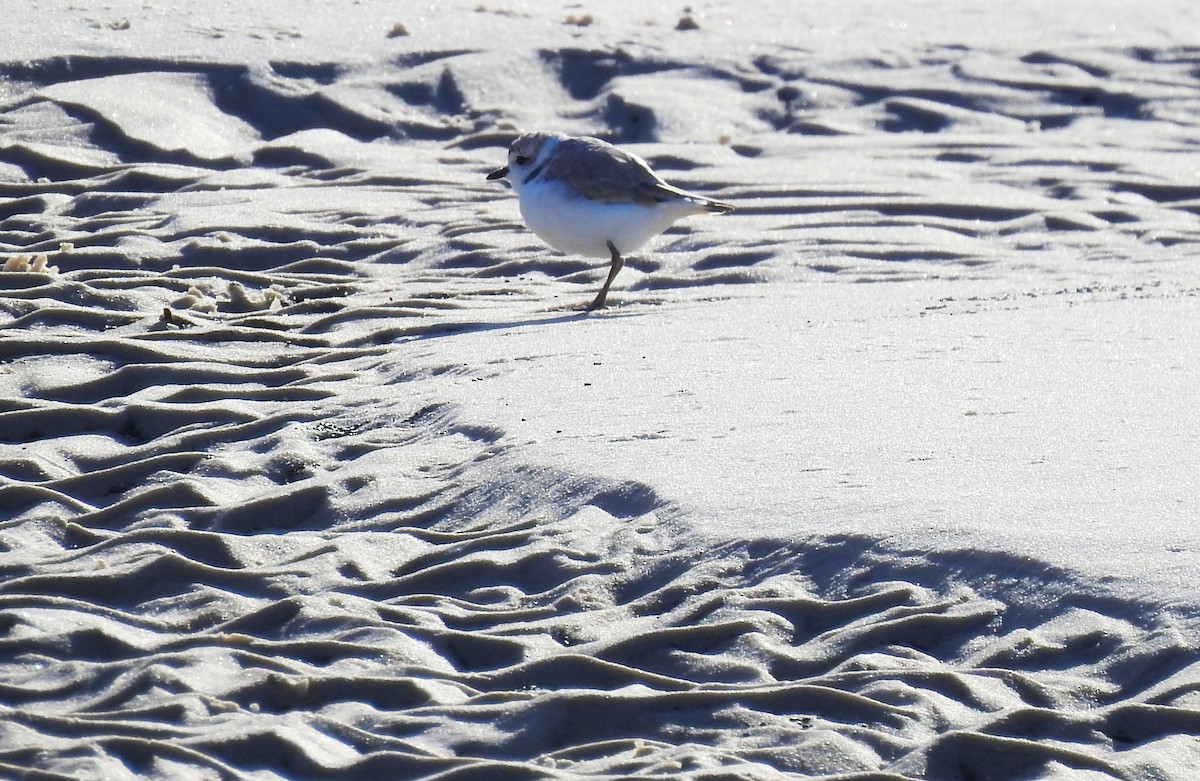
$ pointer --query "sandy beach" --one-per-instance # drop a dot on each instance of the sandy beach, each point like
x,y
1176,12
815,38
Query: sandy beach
x,y
312,465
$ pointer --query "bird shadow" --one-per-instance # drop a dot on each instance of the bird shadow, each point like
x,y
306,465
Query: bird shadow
x,y
552,318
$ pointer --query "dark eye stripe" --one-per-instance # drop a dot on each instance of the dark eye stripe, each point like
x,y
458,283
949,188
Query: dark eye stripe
x,y
521,159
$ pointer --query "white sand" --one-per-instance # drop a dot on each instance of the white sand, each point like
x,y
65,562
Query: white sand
x,y
889,474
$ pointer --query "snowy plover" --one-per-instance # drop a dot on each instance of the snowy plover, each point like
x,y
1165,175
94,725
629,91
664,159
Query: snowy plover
x,y
585,196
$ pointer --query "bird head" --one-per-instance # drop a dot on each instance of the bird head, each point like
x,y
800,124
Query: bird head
x,y
526,154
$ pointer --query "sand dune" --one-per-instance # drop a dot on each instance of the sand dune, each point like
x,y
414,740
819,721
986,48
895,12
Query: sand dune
x,y
310,467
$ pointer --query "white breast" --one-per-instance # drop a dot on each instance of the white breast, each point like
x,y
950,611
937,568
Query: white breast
x,y
582,227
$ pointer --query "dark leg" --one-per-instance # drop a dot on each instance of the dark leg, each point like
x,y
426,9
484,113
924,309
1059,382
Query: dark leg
x,y
617,263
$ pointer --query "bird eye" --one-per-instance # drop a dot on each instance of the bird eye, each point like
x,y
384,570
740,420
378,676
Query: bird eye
x,y
521,159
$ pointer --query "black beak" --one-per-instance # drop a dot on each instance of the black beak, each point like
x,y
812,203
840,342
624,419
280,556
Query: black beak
x,y
499,173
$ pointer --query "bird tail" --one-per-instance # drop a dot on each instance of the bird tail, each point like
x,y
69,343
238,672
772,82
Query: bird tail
x,y
692,202
716,207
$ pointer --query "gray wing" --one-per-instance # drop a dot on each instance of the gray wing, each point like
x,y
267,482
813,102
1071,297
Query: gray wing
x,y
600,171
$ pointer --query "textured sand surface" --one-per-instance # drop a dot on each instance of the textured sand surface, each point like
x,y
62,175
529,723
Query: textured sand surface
x,y
311,467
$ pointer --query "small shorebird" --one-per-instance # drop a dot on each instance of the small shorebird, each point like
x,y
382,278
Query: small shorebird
x,y
585,196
